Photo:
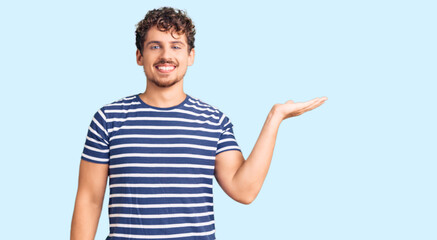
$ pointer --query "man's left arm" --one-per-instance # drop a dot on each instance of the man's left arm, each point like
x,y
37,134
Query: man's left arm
x,y
242,179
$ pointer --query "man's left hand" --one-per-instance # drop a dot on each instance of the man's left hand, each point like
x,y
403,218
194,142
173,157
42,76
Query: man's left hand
x,y
292,109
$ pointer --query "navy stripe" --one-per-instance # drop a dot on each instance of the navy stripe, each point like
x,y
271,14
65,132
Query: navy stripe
x,y
160,180
120,200
162,170
151,232
162,160
161,221
163,190
147,211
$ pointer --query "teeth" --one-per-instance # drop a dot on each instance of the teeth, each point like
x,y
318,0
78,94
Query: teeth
x,y
166,68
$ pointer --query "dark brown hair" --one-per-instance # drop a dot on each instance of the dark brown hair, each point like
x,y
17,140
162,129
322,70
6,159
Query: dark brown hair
x,y
166,19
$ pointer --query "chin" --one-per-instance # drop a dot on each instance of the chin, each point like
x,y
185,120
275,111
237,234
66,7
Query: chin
x,y
165,84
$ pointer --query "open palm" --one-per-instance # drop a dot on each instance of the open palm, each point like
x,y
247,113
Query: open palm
x,y
292,109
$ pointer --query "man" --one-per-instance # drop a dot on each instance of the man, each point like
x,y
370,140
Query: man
x,y
161,148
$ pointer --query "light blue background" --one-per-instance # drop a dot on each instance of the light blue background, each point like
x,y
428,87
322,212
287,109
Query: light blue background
x,y
361,166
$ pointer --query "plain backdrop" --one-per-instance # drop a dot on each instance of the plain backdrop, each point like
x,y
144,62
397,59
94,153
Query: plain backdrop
x,y
361,166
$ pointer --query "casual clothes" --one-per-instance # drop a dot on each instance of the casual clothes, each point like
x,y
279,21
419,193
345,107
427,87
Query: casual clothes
x,y
161,166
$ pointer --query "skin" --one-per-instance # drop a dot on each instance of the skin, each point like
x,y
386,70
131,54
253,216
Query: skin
x,y
164,89
89,200
240,178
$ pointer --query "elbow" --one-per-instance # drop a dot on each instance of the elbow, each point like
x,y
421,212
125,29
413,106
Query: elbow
x,y
246,200
247,195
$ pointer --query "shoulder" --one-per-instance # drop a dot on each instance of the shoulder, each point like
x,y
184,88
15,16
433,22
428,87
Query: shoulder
x,y
117,107
202,106
124,103
206,108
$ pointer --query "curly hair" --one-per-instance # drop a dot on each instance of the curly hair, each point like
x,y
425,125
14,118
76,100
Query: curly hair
x,y
165,19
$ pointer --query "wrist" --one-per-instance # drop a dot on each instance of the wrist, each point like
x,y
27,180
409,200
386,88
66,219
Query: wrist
x,y
275,115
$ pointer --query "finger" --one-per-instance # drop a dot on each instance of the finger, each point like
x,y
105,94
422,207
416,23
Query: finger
x,y
318,100
309,103
303,107
314,104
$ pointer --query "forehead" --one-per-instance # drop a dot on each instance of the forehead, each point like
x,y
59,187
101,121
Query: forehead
x,y
154,34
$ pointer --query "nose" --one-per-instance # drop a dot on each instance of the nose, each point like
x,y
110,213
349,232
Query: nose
x,y
166,53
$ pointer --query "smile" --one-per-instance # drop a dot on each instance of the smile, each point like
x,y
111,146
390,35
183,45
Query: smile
x,y
165,68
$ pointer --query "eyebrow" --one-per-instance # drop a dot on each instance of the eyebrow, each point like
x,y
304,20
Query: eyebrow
x,y
180,42
159,42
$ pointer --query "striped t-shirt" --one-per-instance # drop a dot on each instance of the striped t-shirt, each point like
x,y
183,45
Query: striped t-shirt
x,y
161,166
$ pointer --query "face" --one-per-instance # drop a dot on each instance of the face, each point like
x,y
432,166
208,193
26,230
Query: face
x,y
165,58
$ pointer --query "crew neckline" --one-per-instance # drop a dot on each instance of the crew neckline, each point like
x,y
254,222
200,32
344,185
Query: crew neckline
x,y
159,108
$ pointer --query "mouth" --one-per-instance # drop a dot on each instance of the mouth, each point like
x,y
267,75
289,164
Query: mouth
x,y
165,68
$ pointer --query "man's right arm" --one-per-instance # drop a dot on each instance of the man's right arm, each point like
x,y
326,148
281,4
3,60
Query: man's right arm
x,y
89,200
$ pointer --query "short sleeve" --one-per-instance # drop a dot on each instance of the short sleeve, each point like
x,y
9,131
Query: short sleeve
x,y
96,147
227,140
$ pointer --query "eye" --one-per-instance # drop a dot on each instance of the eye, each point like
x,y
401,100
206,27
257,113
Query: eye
x,y
154,47
176,47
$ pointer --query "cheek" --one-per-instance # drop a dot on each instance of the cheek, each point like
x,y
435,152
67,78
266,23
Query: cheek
x,y
148,59
185,61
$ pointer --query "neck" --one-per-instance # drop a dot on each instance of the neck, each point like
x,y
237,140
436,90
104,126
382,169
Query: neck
x,y
163,97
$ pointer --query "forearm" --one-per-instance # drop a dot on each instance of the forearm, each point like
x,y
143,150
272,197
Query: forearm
x,y
85,219
250,177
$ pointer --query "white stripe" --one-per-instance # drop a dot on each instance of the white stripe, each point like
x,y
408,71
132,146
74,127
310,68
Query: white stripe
x,y
118,100
123,104
200,104
100,126
148,165
95,158
163,226
162,146
161,205
229,147
102,115
201,109
198,101
226,124
97,150
129,98
172,155
97,134
163,136
226,140
93,140
160,185
161,119
162,236
164,128
168,195
156,110
228,133
151,175
161,215
221,119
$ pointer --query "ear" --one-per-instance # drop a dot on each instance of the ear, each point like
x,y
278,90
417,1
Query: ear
x,y
139,58
191,57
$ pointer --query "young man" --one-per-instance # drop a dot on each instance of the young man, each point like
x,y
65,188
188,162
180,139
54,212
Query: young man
x,y
162,148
